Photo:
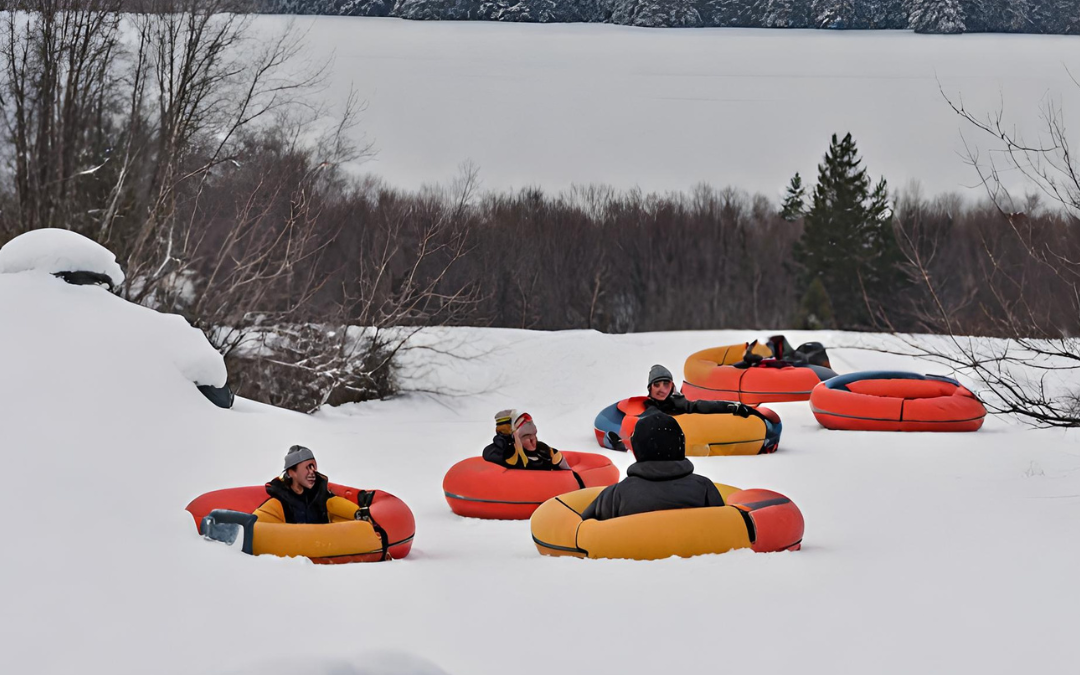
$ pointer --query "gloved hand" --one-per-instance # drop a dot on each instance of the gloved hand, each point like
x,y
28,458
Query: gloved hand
x,y
742,410
752,356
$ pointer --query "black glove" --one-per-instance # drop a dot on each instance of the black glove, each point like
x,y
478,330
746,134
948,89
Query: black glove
x,y
742,410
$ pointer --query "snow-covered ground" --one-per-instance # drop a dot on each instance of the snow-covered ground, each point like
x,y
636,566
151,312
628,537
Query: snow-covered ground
x,y
941,553
555,105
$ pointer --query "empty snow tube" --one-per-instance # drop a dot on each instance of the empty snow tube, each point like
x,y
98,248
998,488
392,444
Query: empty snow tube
x,y
896,401
477,488
711,375
760,520
706,435
343,540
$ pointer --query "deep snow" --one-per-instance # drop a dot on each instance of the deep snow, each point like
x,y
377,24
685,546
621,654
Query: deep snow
x,y
929,553
555,105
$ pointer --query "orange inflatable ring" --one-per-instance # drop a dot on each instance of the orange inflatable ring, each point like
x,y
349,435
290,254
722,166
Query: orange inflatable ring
x,y
711,375
896,401
336,542
761,520
477,488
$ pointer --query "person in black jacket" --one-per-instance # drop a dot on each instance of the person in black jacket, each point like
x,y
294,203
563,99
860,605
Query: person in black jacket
x,y
661,479
516,446
664,398
301,489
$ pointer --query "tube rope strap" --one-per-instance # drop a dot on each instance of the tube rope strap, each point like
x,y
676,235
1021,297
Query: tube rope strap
x,y
363,500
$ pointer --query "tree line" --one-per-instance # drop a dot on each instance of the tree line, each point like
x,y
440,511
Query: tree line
x,y
925,16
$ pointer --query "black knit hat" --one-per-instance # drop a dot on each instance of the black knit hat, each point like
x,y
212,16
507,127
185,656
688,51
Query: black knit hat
x,y
658,437
657,373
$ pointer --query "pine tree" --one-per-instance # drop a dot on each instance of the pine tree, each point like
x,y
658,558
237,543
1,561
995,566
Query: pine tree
x,y
786,14
848,242
794,204
975,15
838,14
937,16
815,310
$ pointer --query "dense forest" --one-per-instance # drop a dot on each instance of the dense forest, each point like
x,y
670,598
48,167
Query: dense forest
x,y
924,16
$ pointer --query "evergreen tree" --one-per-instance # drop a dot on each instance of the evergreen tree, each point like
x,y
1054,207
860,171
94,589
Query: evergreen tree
x,y
838,14
975,15
815,310
849,243
786,14
937,16
794,204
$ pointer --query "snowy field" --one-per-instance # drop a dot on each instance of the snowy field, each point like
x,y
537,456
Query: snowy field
x,y
555,105
944,553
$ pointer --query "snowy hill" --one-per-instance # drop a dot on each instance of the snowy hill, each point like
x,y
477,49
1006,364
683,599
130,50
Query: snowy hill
x,y
939,553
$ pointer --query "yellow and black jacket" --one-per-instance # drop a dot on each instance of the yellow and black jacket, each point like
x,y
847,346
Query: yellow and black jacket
x,y
504,451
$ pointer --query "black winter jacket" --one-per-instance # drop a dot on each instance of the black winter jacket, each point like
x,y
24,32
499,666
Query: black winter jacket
x,y
309,507
677,404
501,451
655,486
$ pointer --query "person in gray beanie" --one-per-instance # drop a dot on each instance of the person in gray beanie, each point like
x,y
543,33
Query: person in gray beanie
x,y
301,491
661,478
663,398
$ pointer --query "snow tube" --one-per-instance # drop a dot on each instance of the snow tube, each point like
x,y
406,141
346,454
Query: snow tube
x,y
706,435
477,488
344,541
711,375
896,401
760,520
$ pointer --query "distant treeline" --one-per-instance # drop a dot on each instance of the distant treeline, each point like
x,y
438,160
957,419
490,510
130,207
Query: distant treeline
x,y
924,16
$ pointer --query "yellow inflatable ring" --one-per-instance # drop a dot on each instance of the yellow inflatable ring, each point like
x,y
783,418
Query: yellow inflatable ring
x,y
761,520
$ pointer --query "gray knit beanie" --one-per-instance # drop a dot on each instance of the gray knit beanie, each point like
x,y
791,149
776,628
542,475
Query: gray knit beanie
x,y
657,373
296,455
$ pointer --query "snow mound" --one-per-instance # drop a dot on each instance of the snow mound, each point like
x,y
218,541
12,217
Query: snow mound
x,y
94,338
54,251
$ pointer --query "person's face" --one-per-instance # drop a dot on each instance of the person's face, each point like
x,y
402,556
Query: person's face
x,y
303,474
528,442
660,389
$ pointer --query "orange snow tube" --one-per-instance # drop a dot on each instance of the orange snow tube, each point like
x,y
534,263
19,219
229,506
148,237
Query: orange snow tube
x,y
896,401
710,374
477,488
760,520
387,533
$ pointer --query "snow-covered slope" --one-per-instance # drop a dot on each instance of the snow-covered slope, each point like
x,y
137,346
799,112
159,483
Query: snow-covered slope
x,y
554,105
929,553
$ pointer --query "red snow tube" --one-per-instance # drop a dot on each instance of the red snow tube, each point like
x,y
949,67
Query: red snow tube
x,y
896,401
387,511
711,375
477,488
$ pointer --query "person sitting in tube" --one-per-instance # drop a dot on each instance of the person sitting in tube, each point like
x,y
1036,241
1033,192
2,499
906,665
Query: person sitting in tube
x,y
664,398
301,494
516,446
661,478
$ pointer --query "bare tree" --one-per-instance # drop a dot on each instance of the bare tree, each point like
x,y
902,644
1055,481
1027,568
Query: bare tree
x,y
1029,286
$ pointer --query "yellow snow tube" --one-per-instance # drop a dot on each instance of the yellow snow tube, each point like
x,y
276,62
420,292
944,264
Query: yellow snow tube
x,y
344,539
558,529
708,435
761,520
